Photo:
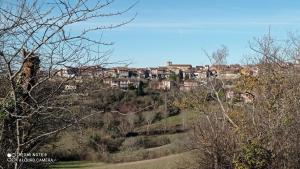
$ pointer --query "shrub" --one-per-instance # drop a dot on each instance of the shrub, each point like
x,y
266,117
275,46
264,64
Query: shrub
x,y
149,142
106,144
253,156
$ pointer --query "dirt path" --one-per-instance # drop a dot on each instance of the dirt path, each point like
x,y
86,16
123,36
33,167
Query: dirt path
x,y
152,160
167,162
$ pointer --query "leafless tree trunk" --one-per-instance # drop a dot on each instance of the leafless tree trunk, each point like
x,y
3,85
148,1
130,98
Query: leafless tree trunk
x,y
149,116
36,41
218,58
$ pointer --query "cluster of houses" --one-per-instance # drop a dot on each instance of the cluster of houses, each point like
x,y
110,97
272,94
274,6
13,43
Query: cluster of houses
x,y
184,76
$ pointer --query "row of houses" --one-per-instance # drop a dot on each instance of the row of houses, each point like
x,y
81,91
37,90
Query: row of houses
x,y
182,71
126,83
182,76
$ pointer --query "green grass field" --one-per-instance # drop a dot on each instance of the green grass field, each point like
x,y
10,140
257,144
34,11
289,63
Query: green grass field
x,y
188,117
163,156
168,162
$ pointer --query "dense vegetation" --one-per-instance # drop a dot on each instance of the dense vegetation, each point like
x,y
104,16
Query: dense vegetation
x,y
261,134
124,126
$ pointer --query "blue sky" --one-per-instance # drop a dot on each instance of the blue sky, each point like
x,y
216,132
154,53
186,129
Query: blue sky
x,y
179,30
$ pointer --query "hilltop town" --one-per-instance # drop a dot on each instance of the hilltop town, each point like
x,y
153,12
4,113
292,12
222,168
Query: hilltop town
x,y
184,76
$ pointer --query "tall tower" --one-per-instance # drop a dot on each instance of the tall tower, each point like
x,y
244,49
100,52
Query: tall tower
x,y
169,63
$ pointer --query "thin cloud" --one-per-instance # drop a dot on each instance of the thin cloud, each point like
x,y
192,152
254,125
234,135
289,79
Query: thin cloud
x,y
196,25
193,25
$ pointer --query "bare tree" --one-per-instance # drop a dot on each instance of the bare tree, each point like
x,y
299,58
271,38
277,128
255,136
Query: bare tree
x,y
263,134
277,100
216,85
219,57
132,119
214,142
36,41
149,117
